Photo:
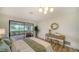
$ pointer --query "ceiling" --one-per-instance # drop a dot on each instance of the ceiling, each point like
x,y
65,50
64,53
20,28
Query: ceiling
x,y
31,13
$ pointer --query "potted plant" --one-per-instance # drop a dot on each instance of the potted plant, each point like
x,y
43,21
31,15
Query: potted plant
x,y
36,31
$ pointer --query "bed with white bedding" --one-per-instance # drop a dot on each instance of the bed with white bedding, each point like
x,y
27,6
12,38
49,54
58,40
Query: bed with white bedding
x,y
23,46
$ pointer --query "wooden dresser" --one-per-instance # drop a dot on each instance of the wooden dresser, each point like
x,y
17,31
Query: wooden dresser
x,y
55,37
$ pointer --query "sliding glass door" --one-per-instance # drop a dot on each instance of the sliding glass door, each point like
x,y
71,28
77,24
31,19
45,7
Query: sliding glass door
x,y
20,28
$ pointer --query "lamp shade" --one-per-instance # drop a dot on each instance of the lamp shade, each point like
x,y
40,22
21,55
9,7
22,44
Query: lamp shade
x,y
2,31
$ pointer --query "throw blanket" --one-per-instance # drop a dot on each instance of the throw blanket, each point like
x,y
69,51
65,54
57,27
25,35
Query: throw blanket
x,y
36,46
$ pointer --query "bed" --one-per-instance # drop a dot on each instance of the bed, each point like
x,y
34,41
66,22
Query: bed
x,y
31,44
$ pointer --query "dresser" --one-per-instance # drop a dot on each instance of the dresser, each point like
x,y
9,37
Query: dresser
x,y
55,38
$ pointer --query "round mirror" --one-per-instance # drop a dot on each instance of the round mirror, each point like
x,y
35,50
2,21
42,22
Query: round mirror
x,y
54,26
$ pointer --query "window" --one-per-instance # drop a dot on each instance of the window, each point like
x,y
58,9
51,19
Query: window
x,y
20,28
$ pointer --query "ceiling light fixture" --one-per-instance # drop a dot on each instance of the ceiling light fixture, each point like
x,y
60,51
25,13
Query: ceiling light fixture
x,y
45,10
51,9
40,10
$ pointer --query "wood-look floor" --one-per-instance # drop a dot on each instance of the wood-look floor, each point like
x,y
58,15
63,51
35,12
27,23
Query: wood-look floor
x,y
60,48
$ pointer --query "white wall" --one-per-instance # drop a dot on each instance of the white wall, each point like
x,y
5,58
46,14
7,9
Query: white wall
x,y
4,21
68,26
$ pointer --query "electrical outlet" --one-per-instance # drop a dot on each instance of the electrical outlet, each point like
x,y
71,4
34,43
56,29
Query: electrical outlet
x,y
67,43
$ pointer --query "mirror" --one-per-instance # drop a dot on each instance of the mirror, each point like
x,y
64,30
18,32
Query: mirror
x,y
54,26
